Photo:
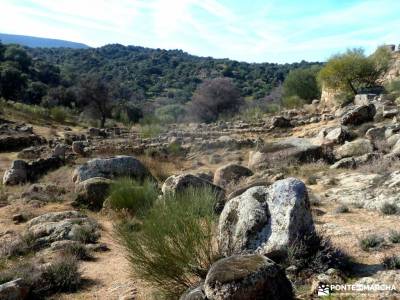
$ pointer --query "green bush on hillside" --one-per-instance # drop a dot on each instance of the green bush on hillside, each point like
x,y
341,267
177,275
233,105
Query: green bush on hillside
x,y
173,247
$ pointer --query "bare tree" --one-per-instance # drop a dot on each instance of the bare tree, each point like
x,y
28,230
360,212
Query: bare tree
x,y
215,97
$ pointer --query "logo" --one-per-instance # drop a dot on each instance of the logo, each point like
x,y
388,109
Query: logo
x,y
323,290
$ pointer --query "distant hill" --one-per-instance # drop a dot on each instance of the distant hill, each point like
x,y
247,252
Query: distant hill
x,y
35,42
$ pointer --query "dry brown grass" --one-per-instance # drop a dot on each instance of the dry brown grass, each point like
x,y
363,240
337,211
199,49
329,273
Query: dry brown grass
x,y
383,165
161,169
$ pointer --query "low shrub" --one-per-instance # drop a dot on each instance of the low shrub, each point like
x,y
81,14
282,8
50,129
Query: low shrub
x,y
173,247
391,262
371,242
293,102
62,275
86,234
126,193
77,250
389,208
59,114
394,236
150,130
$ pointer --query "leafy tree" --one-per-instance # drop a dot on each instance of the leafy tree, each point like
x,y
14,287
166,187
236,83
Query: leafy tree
x,y
94,95
353,70
19,55
12,81
302,83
35,92
214,97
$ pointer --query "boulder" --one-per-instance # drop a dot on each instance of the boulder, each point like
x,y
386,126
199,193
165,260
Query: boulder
x,y
17,174
92,192
376,133
266,220
58,226
78,147
14,290
363,99
60,150
393,139
359,115
119,166
194,293
247,277
230,174
291,149
355,148
336,135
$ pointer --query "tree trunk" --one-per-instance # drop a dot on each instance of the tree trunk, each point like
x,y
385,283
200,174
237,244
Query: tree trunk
x,y
103,121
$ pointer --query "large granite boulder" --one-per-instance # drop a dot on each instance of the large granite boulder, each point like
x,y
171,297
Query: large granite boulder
x,y
359,114
335,135
230,174
119,166
266,220
92,192
247,277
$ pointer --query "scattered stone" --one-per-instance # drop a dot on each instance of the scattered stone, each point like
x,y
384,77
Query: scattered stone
x,y
43,192
17,174
14,290
78,147
247,277
336,135
18,218
230,174
376,133
280,122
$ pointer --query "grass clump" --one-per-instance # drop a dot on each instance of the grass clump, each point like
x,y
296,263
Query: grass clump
x,y
371,242
392,262
389,208
126,193
394,236
22,245
173,247
77,250
62,275
86,234
59,114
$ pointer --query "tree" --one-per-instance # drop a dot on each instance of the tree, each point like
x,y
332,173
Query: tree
x,y
302,83
214,97
12,81
353,71
19,55
94,95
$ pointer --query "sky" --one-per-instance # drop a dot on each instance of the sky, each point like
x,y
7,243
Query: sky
x,y
248,30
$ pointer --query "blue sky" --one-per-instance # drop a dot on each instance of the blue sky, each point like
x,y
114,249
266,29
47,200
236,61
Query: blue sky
x,y
252,30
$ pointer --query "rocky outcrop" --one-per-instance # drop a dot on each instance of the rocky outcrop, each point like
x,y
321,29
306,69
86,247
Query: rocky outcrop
x,y
118,166
335,135
289,150
230,174
58,226
247,277
266,220
359,115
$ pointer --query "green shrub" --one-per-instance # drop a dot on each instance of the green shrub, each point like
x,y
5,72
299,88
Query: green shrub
x,y
59,114
150,130
394,236
389,208
371,242
293,102
252,114
126,193
392,262
174,247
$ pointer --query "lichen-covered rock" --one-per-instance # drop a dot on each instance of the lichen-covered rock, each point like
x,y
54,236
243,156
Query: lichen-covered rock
x,y
178,183
266,220
119,166
335,135
359,115
355,148
376,133
58,226
92,192
247,277
230,173
195,293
